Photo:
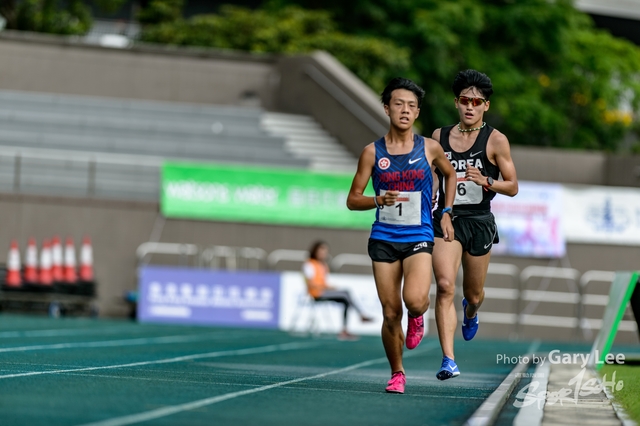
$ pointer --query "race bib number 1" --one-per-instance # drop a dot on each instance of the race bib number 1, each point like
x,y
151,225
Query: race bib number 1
x,y
406,211
467,192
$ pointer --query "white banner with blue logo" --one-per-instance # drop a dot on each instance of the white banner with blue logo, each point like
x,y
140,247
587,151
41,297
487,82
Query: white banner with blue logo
x,y
602,215
530,224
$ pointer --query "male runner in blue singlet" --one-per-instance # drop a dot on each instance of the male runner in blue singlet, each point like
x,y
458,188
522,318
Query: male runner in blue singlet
x,y
479,154
402,235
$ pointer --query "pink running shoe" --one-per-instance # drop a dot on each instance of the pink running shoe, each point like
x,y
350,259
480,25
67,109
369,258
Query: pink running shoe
x,y
397,382
415,332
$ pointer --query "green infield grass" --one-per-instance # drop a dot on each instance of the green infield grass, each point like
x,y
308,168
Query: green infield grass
x,y
628,395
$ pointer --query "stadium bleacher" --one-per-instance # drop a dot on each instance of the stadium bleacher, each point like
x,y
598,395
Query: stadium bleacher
x,y
306,138
100,147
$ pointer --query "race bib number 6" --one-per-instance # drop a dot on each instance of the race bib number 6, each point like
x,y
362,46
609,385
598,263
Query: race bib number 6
x,y
406,211
467,192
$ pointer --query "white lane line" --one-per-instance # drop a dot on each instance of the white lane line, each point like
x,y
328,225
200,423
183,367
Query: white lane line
x,y
68,332
76,331
487,413
248,351
167,411
531,415
298,388
111,343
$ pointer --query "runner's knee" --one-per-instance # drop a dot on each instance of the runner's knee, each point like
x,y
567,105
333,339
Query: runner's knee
x,y
417,307
473,297
391,315
446,287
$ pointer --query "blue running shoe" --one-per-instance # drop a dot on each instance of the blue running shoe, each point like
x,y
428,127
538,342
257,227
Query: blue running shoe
x,y
448,369
469,326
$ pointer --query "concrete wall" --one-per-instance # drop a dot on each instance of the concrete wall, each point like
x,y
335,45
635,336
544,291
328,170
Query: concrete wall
x,y
42,63
561,166
118,228
623,170
321,86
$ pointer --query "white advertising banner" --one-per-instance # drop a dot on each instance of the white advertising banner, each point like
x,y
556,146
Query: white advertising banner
x,y
530,224
602,215
298,314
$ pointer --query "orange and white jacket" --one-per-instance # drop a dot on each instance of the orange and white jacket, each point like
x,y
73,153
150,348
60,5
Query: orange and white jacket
x,y
315,274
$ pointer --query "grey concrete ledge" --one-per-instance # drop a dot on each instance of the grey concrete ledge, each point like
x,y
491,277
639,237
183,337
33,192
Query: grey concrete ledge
x,y
139,47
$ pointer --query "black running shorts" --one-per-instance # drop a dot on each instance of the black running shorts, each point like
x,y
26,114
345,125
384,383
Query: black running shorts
x,y
476,232
387,252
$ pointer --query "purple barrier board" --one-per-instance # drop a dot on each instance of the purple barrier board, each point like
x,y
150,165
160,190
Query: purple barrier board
x,y
201,296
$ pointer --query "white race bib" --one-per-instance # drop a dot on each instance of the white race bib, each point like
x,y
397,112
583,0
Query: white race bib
x,y
406,211
467,192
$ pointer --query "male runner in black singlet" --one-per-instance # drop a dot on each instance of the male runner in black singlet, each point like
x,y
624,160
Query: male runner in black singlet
x,y
479,154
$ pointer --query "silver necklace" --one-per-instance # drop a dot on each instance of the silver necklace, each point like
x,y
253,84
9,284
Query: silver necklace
x,y
460,129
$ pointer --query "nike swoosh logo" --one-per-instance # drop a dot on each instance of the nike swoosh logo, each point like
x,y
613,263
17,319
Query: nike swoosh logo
x,y
473,154
451,368
495,229
415,160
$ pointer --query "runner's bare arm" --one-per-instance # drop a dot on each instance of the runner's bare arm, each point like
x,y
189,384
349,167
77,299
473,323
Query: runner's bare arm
x,y
499,152
434,176
438,159
356,199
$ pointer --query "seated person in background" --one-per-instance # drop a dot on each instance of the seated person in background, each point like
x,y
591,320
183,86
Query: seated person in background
x,y
316,272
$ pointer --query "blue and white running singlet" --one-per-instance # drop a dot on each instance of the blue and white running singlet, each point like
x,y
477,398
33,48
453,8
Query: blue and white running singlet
x,y
409,220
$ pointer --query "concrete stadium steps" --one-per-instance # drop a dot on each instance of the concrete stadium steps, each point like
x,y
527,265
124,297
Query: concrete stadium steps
x,y
234,127
305,138
79,174
171,130
122,107
113,148
241,149
223,123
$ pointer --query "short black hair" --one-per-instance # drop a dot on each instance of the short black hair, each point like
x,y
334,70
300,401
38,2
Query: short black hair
x,y
472,78
401,83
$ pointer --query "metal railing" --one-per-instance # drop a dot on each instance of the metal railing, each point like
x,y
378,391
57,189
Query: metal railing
x,y
348,259
146,250
524,315
214,257
336,263
285,255
85,180
525,300
535,297
233,257
592,299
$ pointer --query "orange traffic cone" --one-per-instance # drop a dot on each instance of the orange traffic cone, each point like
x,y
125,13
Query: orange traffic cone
x,y
31,262
13,278
69,270
56,260
45,277
86,260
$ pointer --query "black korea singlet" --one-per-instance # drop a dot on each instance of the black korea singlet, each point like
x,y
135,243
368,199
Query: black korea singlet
x,y
469,195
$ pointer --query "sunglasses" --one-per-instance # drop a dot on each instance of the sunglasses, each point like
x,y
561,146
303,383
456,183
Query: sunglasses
x,y
473,101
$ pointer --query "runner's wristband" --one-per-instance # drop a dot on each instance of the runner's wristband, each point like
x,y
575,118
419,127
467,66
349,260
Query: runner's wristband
x,y
375,200
448,210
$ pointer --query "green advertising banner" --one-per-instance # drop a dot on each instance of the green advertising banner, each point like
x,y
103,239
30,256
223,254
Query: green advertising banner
x,y
259,195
